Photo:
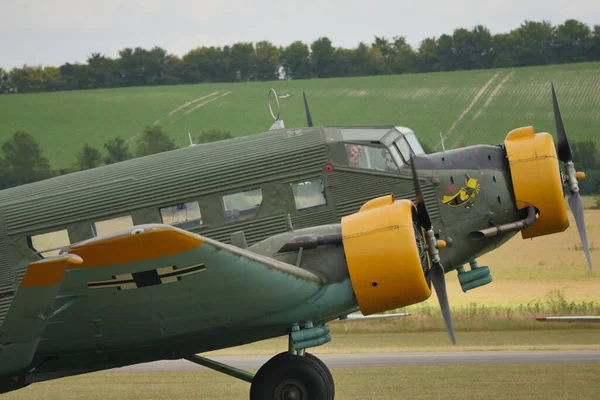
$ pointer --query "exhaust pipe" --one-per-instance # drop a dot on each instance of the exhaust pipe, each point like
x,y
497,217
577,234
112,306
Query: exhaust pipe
x,y
511,227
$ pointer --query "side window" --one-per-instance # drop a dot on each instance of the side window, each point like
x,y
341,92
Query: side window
x,y
242,205
370,157
309,194
49,244
110,225
184,215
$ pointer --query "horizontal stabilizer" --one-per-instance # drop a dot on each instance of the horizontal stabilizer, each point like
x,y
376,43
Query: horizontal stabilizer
x,y
578,318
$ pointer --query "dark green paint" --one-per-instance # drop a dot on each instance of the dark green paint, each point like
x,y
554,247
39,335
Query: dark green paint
x,y
239,298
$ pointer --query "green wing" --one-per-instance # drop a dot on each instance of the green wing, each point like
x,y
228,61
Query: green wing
x,y
140,287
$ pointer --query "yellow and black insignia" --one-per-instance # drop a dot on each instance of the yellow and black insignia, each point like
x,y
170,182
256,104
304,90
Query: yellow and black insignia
x,y
151,277
463,197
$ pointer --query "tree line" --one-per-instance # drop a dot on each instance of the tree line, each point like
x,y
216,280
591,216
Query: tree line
x,y
22,160
532,43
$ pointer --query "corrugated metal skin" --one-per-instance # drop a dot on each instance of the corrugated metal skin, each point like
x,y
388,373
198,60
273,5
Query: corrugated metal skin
x,y
255,230
6,274
351,191
4,306
162,178
308,219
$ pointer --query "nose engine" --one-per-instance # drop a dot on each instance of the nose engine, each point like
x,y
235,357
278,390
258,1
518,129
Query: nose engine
x,y
386,255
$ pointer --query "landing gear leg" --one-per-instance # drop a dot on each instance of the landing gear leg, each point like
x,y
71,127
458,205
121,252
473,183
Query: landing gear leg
x,y
293,377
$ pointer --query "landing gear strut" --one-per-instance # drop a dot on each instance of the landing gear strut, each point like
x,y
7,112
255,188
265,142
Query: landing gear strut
x,y
293,377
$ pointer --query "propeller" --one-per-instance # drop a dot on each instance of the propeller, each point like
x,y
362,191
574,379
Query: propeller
x,y
308,116
436,272
566,155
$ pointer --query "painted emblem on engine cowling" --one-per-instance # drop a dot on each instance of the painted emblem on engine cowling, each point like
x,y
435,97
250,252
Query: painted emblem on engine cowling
x,y
463,197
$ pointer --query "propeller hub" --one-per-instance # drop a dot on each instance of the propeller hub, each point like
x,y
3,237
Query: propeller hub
x,y
432,242
572,177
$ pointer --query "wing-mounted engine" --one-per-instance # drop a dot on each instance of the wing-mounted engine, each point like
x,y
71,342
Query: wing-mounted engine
x,y
386,256
536,180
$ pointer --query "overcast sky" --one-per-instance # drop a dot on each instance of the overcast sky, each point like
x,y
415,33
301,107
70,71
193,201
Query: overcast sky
x,y
53,32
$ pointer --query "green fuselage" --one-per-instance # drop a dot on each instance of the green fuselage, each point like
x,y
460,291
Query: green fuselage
x,y
464,190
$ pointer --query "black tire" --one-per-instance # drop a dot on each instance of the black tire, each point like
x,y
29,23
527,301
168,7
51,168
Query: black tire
x,y
325,369
287,374
319,362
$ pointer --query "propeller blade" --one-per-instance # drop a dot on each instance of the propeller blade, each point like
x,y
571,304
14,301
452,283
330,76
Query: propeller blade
x,y
564,148
439,283
422,213
576,205
308,117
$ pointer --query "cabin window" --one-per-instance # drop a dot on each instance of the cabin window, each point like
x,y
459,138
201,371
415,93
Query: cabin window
x,y
183,215
111,225
242,205
49,244
309,194
370,157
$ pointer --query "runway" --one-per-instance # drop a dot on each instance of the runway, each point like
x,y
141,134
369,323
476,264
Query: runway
x,y
394,359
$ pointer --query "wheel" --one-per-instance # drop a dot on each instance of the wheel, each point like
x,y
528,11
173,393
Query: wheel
x,y
320,364
325,369
292,377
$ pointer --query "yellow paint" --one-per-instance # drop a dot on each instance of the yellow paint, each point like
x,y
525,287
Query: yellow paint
x,y
580,175
465,196
382,256
536,180
49,271
158,242
377,202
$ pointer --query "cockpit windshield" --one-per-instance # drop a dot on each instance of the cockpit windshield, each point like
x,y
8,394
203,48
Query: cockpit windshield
x,y
404,145
380,150
370,157
414,143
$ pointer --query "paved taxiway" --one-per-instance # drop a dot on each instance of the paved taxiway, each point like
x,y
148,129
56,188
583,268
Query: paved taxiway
x,y
395,359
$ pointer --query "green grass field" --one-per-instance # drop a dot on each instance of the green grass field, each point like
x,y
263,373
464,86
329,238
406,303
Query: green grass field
x,y
466,106
414,382
463,382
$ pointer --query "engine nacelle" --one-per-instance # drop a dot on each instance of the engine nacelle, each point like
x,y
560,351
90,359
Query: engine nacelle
x,y
536,180
383,257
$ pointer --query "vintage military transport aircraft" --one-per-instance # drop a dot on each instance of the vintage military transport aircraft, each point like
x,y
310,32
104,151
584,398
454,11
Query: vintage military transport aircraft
x,y
273,234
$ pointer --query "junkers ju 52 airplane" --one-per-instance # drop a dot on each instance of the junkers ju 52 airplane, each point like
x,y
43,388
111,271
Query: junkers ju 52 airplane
x,y
221,244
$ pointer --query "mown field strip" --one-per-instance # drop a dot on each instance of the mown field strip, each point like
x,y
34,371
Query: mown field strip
x,y
471,105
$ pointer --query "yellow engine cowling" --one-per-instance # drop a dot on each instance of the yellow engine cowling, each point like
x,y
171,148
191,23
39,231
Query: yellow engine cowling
x,y
382,256
536,180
